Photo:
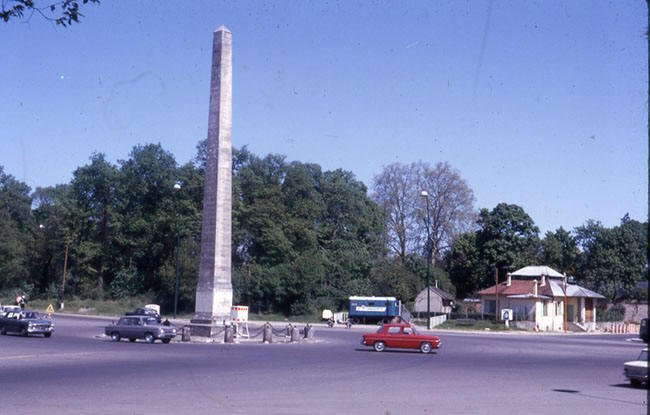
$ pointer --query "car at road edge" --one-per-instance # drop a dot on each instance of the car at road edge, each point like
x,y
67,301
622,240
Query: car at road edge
x,y
25,323
140,327
637,370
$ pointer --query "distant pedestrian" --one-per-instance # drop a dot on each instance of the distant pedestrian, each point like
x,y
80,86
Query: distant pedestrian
x,y
20,300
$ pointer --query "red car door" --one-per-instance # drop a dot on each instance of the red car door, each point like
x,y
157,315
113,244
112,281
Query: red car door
x,y
409,338
393,336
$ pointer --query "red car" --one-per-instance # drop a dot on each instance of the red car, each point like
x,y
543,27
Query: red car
x,y
401,336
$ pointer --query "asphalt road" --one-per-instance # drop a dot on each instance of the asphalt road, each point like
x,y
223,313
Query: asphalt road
x,y
76,371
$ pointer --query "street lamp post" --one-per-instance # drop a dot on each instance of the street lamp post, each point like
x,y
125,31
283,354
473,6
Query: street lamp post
x,y
177,187
427,246
565,301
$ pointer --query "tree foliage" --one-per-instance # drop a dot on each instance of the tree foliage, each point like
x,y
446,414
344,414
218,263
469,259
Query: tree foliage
x,y
398,190
614,259
303,238
64,12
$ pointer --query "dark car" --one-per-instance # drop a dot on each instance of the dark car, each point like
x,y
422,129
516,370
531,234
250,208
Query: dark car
x,y
401,336
140,327
643,330
26,323
144,311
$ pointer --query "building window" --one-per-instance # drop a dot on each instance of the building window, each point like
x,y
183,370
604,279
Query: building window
x,y
490,306
558,308
545,308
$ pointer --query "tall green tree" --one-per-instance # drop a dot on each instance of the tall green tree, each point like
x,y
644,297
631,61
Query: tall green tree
x,y
507,237
560,251
463,264
147,214
95,188
614,259
16,231
58,216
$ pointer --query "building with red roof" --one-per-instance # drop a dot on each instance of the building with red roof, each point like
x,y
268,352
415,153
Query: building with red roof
x,y
534,298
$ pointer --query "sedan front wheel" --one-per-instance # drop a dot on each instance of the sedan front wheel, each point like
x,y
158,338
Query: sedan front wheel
x,y
425,347
115,336
379,346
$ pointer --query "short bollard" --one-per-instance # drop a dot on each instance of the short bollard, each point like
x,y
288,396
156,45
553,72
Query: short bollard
x,y
309,331
229,334
295,334
267,334
185,335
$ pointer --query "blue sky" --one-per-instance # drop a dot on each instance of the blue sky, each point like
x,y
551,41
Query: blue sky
x,y
538,103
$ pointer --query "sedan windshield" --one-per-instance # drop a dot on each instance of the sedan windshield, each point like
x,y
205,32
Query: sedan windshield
x,y
643,355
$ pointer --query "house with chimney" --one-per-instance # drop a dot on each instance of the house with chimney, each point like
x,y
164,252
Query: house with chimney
x,y
536,295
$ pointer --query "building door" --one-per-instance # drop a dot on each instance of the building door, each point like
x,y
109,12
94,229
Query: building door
x,y
589,309
570,313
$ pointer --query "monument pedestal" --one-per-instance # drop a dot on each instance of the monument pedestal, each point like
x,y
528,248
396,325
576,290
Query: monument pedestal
x,y
206,328
213,305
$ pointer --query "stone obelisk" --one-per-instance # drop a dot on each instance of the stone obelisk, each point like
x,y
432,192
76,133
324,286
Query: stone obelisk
x,y
214,288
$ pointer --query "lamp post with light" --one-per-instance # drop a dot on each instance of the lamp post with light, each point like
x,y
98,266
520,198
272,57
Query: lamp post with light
x,y
177,188
427,246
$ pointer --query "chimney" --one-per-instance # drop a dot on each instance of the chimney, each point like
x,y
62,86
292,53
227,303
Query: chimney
x,y
509,283
543,281
535,289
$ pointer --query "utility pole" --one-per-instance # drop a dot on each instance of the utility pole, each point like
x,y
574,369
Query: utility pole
x,y
565,303
177,187
496,290
427,246
65,267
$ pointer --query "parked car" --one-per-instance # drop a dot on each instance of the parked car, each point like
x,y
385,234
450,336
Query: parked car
x,y
25,323
140,327
643,330
7,308
402,336
144,311
637,370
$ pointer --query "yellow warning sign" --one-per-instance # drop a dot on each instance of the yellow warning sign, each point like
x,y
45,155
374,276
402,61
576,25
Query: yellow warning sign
x,y
50,309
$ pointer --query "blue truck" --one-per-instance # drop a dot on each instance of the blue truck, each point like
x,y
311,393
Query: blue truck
x,y
373,309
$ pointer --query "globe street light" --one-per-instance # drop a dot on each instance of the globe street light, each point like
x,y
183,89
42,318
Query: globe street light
x,y
427,246
177,187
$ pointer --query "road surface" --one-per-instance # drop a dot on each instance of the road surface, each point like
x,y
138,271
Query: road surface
x,y
77,371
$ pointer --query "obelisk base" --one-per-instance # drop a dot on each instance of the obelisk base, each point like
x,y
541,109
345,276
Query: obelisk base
x,y
206,329
212,310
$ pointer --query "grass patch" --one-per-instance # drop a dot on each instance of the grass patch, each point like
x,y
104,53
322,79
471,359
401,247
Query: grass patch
x,y
119,307
91,307
469,324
